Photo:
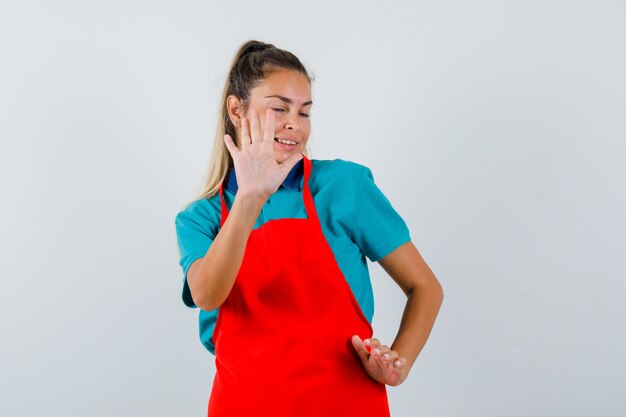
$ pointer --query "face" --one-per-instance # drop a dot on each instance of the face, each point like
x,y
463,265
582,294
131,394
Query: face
x,y
288,94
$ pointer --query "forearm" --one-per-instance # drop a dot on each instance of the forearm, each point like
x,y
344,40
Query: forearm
x,y
420,312
220,266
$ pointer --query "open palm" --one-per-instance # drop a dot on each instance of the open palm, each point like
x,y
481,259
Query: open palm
x,y
258,173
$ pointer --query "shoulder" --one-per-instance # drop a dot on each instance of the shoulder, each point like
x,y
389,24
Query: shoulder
x,y
335,185
329,171
202,214
337,165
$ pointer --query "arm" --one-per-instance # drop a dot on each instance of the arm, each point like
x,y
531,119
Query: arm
x,y
258,175
212,277
424,297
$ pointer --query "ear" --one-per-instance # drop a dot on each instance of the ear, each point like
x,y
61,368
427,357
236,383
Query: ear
x,y
235,108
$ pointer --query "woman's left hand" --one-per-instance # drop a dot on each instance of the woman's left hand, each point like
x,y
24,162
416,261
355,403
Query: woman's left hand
x,y
381,363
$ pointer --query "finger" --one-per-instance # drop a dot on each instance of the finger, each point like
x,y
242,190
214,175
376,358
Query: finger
x,y
268,135
255,130
245,133
360,348
390,356
400,363
230,145
373,342
380,350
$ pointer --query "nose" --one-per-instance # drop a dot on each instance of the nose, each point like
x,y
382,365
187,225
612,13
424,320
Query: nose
x,y
292,122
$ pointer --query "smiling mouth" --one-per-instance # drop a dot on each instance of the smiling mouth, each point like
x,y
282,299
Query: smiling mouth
x,y
285,141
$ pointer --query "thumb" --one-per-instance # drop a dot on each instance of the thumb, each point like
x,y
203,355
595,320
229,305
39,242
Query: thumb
x,y
360,348
289,163
230,145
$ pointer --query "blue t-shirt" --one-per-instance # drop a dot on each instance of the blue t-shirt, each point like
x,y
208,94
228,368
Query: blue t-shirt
x,y
357,220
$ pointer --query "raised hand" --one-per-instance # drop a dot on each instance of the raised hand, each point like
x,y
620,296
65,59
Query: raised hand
x,y
381,363
258,173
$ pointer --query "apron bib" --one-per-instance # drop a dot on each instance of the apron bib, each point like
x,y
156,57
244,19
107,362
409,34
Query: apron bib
x,y
283,336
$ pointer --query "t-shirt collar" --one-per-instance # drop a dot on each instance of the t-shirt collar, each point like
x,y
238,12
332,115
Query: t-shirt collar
x,y
291,182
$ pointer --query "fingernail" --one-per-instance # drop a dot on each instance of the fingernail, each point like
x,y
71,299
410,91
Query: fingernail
x,y
386,356
376,351
397,363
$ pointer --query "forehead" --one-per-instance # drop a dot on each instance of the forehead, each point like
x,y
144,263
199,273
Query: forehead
x,y
287,83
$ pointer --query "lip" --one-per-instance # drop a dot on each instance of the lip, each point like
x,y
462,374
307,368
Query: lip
x,y
284,138
293,140
285,146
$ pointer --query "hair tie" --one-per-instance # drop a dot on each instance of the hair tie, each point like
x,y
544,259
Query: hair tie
x,y
256,48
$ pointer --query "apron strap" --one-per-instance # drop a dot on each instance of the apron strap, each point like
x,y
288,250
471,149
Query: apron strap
x,y
309,205
224,209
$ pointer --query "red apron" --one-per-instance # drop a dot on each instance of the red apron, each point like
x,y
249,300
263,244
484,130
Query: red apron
x,y
283,336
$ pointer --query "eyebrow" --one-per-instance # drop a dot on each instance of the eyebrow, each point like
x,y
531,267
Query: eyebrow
x,y
288,100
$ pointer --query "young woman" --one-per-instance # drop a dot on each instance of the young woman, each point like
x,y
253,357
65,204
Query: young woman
x,y
273,252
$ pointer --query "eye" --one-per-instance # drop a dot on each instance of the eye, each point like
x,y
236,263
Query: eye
x,y
305,115
280,110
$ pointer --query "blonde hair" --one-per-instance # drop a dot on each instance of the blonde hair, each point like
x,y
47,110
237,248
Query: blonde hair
x,y
253,62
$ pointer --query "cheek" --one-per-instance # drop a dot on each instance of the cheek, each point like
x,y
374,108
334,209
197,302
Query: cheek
x,y
306,125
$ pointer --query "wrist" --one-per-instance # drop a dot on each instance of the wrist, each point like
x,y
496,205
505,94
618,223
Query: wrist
x,y
250,201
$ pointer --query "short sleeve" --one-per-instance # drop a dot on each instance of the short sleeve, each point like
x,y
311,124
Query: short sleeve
x,y
194,240
378,228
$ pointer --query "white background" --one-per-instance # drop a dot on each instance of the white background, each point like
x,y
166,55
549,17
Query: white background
x,y
496,129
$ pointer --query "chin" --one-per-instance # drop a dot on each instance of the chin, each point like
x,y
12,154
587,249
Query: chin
x,y
283,156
